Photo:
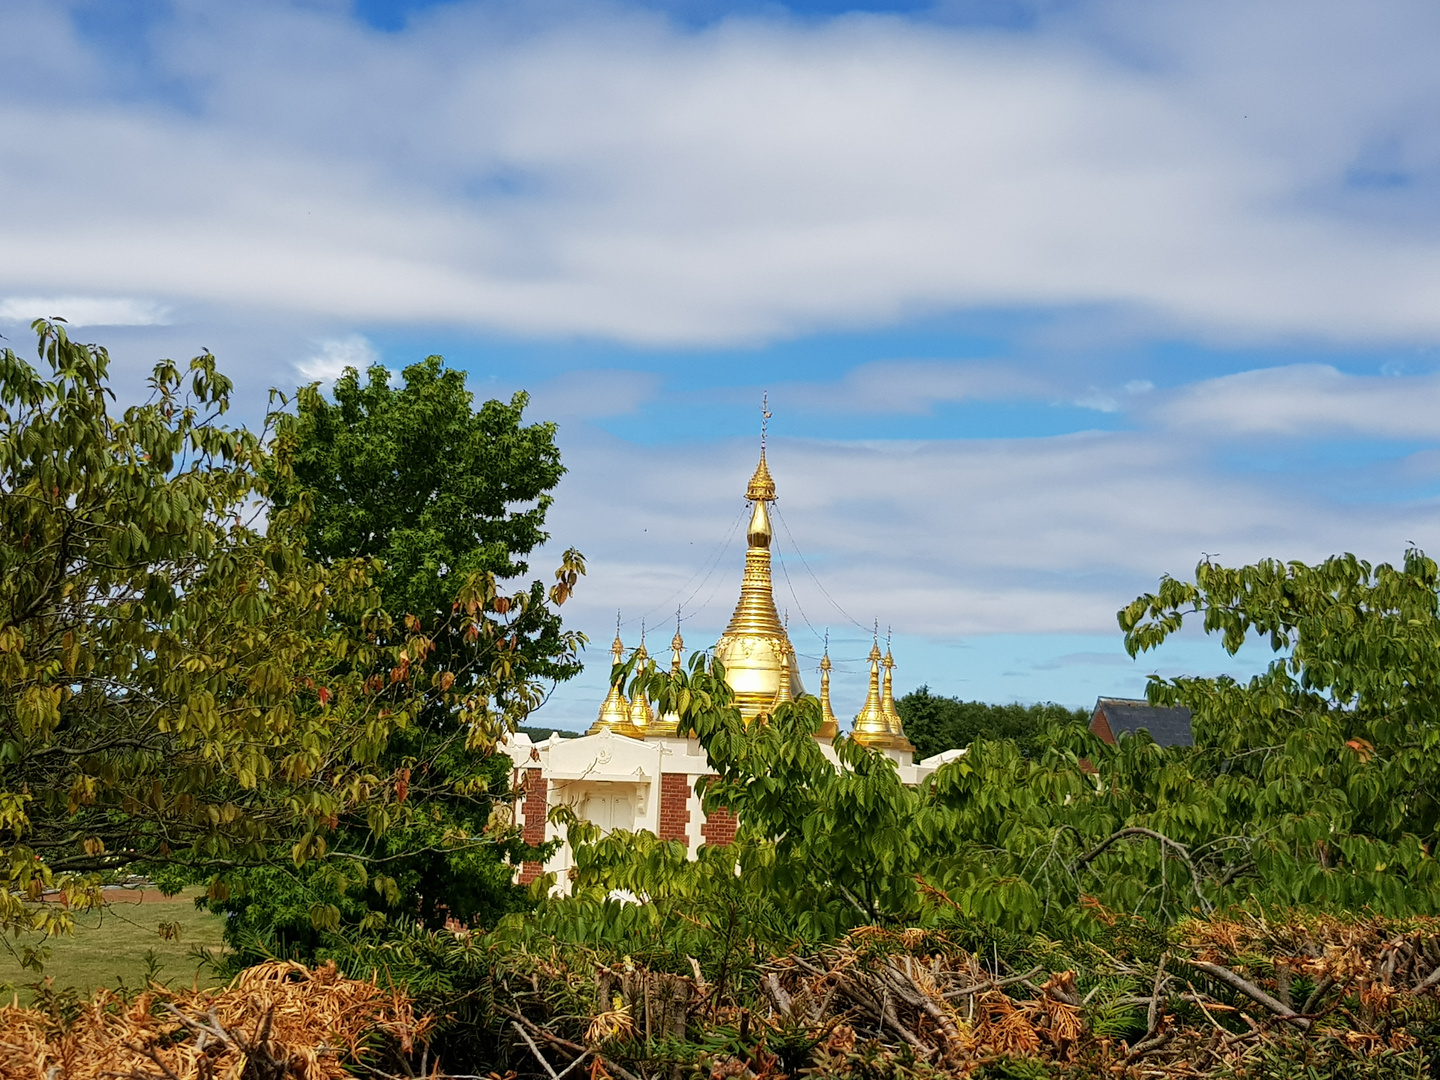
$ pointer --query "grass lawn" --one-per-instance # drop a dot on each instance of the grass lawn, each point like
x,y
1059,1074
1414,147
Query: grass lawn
x,y
113,943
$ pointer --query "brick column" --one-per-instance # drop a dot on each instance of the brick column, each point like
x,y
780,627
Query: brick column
x,y
534,829
719,827
674,807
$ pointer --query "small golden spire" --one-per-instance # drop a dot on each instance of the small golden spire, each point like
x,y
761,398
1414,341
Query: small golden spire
x,y
782,692
669,723
642,717
615,710
870,727
829,725
887,704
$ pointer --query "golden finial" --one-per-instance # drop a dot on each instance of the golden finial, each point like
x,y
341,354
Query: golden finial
x,y
829,725
615,710
761,488
887,702
783,691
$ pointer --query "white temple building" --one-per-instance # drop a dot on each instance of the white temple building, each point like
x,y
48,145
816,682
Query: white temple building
x,y
632,770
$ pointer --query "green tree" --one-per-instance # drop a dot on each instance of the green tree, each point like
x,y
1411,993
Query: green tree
x,y
935,724
433,488
437,492
1327,761
166,669
180,683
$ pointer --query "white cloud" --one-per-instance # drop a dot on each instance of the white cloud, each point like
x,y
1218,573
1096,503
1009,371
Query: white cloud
x,y
592,394
1309,399
335,356
942,538
912,387
84,310
615,176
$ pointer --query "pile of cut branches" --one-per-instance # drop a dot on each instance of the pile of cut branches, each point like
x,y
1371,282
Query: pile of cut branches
x,y
1219,997
276,1021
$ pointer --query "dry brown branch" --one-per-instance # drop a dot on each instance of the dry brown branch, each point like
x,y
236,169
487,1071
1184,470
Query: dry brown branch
x,y
1253,992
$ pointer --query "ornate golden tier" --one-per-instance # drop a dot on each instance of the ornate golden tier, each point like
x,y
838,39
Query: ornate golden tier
x,y
755,649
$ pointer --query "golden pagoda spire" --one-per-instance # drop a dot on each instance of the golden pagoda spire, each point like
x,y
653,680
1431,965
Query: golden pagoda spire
x,y
782,692
887,704
677,648
642,717
829,725
870,727
755,647
669,723
615,710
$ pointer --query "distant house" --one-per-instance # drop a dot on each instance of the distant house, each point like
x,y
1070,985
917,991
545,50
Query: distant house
x,y
1114,717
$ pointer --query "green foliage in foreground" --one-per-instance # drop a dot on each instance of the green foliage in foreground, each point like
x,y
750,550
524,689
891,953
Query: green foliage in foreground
x,y
1312,785
187,690
438,490
934,723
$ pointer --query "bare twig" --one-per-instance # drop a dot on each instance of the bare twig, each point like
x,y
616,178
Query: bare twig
x,y
1180,850
535,1050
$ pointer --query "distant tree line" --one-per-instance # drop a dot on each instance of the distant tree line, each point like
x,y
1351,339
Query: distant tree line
x,y
935,723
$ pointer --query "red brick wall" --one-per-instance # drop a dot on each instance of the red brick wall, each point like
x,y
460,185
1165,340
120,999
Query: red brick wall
x,y
675,807
719,827
534,830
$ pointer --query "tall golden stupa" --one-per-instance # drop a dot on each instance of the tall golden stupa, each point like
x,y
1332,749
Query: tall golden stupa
x,y
759,660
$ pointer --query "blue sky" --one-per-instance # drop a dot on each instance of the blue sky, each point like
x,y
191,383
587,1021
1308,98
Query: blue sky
x,y
1050,298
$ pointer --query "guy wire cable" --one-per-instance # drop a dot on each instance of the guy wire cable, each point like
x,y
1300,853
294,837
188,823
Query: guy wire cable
x,y
713,562
817,581
780,558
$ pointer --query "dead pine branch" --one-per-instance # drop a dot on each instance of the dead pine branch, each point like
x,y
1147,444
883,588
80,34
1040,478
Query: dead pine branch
x,y
1253,992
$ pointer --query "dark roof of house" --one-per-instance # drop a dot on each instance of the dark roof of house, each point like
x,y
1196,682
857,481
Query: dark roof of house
x,y
1122,716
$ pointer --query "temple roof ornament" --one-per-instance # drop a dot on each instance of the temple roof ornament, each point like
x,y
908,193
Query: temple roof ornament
x,y
615,710
870,726
887,706
829,725
755,648
669,723
642,716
